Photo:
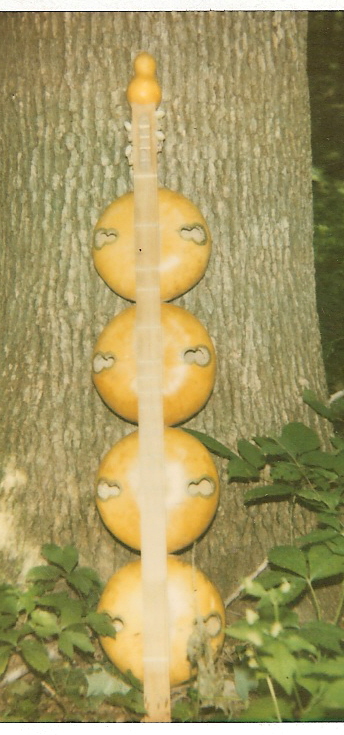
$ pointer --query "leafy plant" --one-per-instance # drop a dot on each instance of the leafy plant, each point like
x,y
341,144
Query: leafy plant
x,y
298,668
49,645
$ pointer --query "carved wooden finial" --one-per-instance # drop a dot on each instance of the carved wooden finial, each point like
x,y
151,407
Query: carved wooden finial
x,y
144,88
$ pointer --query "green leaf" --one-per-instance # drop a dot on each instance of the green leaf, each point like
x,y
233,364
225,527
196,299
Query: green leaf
x,y
333,499
251,454
328,519
44,574
70,609
45,623
80,581
35,655
326,636
245,681
323,563
297,585
332,668
133,701
134,682
241,470
25,629
296,643
65,643
339,463
337,442
70,681
101,683
263,710
313,497
297,438
71,613
101,624
286,471
5,655
80,640
311,684
315,537
289,557
86,581
269,446
267,492
27,600
280,664
336,545
309,397
333,696
8,603
184,710
319,459
9,636
337,408
213,445
66,558
7,621
242,631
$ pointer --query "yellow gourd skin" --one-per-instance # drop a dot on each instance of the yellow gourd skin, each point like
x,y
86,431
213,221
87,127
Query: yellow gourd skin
x,y
190,596
192,489
185,245
188,369
144,88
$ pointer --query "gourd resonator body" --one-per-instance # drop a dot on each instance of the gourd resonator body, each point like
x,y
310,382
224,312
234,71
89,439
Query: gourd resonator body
x,y
191,493
191,486
185,245
188,364
190,596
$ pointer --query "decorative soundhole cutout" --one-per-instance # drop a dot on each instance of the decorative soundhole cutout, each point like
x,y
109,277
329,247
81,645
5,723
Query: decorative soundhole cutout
x,y
194,232
103,361
106,490
104,237
118,624
204,487
213,624
198,355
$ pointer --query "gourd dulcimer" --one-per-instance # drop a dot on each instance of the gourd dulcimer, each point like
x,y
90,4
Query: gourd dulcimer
x,y
157,489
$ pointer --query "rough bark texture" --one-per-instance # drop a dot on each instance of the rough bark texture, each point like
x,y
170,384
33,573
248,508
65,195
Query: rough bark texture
x,y
238,144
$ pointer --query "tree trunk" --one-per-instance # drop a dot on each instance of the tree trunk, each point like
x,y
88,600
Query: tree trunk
x,y
238,144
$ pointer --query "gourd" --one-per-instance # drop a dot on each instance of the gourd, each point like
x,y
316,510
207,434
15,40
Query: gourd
x,y
185,245
191,497
154,364
188,365
191,596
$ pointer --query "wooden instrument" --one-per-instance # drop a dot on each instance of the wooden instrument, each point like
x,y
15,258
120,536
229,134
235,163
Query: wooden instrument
x,y
154,364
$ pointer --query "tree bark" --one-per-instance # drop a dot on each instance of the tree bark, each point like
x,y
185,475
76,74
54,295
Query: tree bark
x,y
238,144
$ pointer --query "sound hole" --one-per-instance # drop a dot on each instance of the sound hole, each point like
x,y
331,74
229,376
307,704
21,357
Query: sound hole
x,y
103,361
213,624
104,237
118,624
106,490
204,487
194,232
198,355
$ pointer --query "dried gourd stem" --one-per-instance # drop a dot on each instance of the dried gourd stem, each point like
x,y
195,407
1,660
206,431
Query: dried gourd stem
x,y
144,95
242,586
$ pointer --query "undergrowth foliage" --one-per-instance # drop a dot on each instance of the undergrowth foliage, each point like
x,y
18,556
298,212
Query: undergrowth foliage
x,y
286,670
280,669
49,646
